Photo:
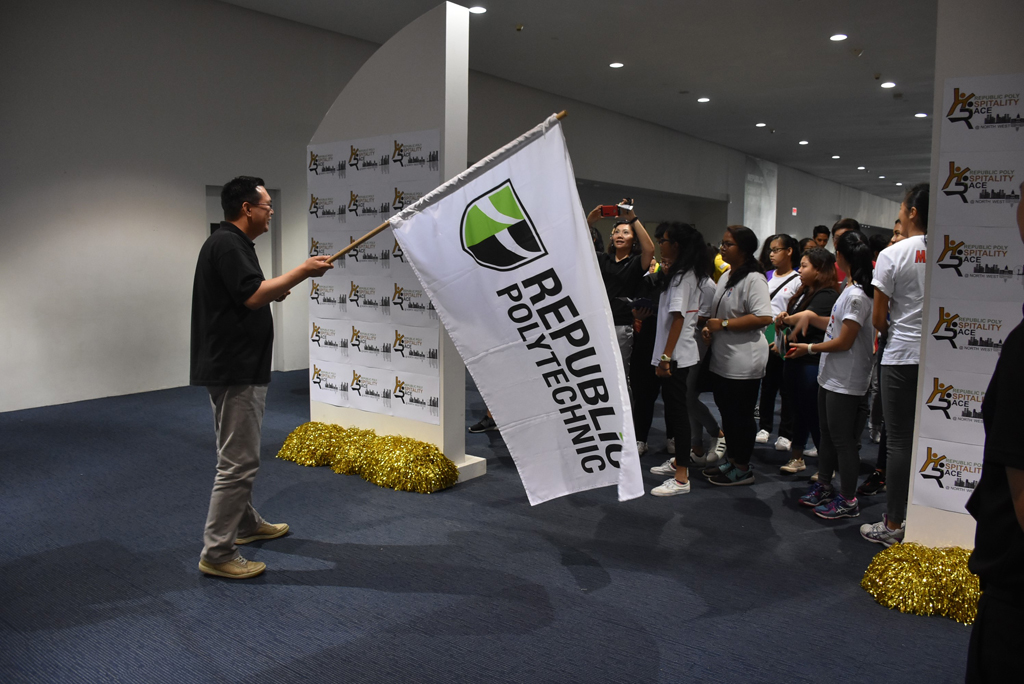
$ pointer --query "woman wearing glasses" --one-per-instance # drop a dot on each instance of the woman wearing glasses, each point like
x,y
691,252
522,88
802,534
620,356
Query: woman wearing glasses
x,y
739,351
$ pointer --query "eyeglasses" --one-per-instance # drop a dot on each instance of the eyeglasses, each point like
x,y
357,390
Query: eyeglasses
x,y
726,245
269,205
776,250
662,241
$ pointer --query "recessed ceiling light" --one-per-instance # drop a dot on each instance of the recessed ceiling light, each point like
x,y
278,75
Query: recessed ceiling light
x,y
880,177
835,156
616,65
477,10
760,125
888,84
804,142
838,37
899,184
860,168
703,99
920,115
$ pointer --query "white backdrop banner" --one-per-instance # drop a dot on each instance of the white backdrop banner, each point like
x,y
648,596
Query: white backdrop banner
x,y
504,252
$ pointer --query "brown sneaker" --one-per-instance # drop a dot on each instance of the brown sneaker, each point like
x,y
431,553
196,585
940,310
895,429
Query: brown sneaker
x,y
265,531
236,568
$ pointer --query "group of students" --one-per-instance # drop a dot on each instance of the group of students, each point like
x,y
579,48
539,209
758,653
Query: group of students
x,y
834,333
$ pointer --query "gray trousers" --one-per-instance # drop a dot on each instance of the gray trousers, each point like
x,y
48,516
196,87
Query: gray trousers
x,y
841,418
237,418
899,403
701,418
624,334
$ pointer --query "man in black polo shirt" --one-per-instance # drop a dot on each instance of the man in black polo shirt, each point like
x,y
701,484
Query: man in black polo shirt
x,y
232,342
997,638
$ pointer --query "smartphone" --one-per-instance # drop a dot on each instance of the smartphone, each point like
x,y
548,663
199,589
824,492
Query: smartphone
x,y
609,210
625,207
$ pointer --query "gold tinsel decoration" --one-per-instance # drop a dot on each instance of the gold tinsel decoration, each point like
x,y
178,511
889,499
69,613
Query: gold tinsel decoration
x,y
400,463
924,581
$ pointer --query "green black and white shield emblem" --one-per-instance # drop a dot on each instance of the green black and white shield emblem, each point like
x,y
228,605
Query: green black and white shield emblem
x,y
498,233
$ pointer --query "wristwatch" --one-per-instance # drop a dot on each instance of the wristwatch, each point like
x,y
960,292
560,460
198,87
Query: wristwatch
x,y
666,358
725,324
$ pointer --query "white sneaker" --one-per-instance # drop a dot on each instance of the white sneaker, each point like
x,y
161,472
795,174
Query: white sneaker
x,y
641,448
670,445
666,468
719,450
783,444
878,533
876,435
812,452
762,437
671,487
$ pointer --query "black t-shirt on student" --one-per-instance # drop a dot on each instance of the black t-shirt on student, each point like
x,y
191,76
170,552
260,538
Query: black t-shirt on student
x,y
820,303
998,557
621,280
231,344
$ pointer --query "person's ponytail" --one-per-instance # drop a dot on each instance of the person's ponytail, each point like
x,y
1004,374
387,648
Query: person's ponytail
x,y
857,252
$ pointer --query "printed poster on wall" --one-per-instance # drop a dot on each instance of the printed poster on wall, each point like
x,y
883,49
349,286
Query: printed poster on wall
x,y
976,278
374,337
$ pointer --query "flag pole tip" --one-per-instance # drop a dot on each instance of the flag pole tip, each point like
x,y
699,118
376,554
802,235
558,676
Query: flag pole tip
x,y
562,114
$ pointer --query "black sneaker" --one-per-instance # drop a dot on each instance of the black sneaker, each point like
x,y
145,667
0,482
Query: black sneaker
x,y
486,424
875,484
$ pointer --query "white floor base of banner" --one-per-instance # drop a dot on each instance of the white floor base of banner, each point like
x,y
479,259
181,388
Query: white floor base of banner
x,y
470,467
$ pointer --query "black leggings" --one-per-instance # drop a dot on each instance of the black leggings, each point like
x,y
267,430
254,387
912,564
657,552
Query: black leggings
x,y
736,400
771,385
677,417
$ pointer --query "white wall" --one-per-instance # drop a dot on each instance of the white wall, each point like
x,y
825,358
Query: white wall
x,y
116,115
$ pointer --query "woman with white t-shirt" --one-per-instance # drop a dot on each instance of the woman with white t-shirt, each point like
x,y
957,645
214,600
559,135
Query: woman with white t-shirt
x,y
675,349
844,376
782,285
739,351
897,312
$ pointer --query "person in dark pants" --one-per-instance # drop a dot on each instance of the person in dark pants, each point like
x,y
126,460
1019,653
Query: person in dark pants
x,y
675,349
232,343
644,382
783,283
739,351
816,296
997,638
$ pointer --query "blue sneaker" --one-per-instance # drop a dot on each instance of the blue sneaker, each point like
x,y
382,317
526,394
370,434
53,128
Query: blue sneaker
x,y
838,508
818,495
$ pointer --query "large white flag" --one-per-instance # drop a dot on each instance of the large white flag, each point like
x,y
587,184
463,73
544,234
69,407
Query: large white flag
x,y
505,254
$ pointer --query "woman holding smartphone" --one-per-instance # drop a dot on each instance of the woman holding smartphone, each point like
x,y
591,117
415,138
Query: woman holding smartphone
x,y
844,376
739,351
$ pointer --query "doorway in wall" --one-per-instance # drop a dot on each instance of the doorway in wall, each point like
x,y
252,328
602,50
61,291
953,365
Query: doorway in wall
x,y
268,251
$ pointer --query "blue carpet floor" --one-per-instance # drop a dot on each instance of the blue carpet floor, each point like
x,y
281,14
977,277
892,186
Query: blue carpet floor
x,y
103,502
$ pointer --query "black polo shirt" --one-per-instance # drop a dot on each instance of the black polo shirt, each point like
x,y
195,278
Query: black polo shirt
x,y
998,557
231,344
621,281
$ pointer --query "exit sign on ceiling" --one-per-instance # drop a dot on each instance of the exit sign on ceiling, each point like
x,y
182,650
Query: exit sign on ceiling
x,y
794,211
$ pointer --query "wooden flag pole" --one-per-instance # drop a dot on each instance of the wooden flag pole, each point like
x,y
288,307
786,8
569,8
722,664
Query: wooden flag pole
x,y
355,243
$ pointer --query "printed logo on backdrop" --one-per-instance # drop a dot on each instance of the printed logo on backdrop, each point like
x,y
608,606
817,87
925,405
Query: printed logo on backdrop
x,y
324,248
955,403
362,158
320,165
324,294
981,186
397,252
367,253
408,154
409,347
362,296
952,474
327,338
985,261
497,231
415,395
323,207
404,197
971,333
328,381
367,387
365,342
986,111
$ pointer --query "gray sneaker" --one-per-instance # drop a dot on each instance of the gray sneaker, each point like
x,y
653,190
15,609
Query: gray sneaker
x,y
879,533
666,468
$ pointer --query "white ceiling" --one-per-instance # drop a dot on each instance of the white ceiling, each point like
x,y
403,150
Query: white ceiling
x,y
765,61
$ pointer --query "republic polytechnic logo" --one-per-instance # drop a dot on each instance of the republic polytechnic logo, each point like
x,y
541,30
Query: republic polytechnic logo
x,y
946,329
498,232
